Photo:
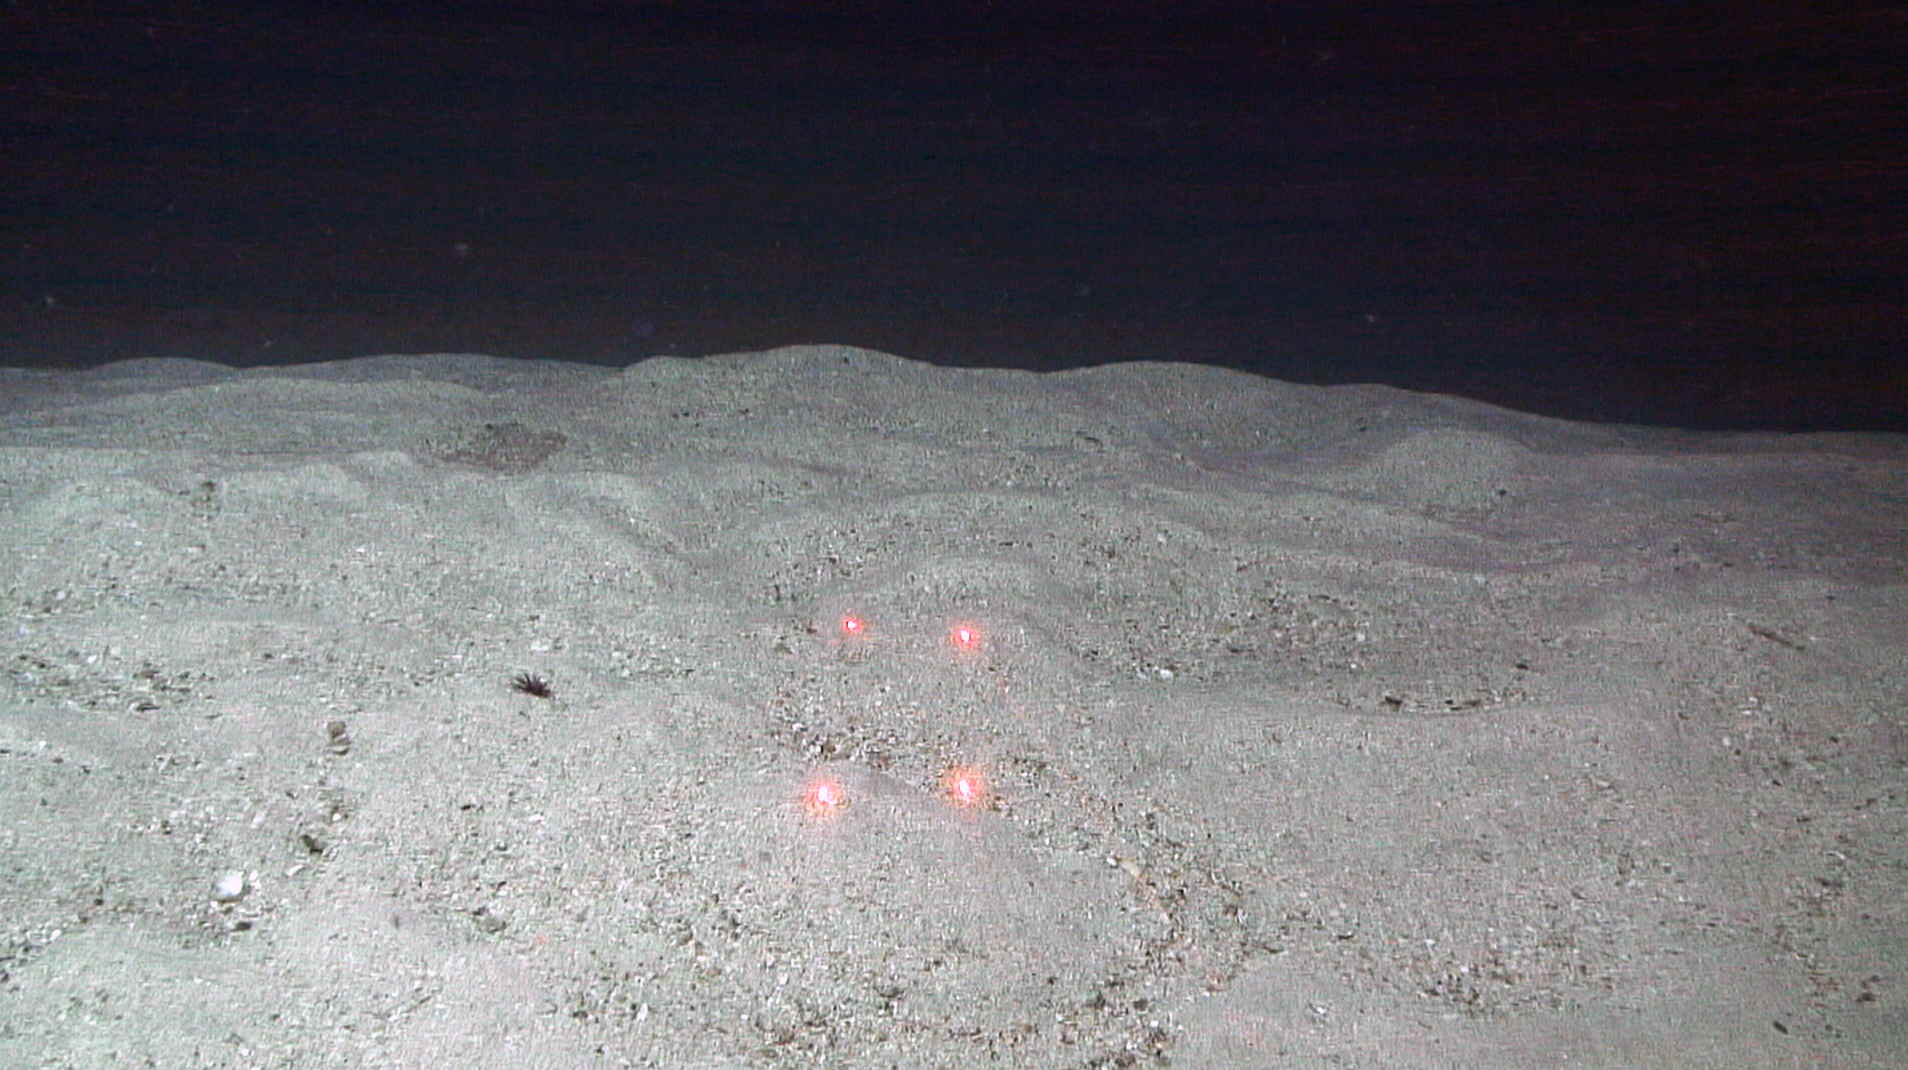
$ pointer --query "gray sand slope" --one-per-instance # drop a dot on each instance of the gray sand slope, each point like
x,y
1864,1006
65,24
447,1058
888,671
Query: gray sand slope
x,y
1310,727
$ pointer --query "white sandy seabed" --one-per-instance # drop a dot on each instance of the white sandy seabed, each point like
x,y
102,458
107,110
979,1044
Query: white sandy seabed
x,y
1305,727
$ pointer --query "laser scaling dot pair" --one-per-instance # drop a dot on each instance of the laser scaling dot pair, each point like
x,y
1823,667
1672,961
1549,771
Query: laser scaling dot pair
x,y
964,636
963,787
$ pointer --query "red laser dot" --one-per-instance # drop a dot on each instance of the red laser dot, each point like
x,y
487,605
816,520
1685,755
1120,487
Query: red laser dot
x,y
965,637
823,798
852,626
965,787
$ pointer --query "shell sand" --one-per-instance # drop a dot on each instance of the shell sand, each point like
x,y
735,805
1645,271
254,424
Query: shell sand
x,y
1307,727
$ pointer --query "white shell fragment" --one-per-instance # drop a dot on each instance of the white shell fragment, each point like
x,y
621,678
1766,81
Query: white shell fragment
x,y
230,887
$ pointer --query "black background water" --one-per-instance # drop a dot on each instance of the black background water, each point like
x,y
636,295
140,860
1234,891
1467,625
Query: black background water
x,y
1688,214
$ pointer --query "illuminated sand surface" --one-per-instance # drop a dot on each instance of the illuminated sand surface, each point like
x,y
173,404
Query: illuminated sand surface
x,y
910,717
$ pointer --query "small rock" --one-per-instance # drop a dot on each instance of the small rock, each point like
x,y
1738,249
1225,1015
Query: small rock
x,y
340,736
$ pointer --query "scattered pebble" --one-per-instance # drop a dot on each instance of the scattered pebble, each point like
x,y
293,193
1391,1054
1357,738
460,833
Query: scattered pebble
x,y
340,736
